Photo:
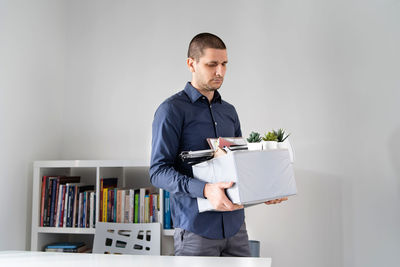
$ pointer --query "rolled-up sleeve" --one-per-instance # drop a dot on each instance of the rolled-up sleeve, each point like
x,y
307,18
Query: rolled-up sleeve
x,y
166,133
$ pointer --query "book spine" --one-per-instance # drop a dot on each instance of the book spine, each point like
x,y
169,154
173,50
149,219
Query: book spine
x,y
151,208
53,202
44,179
146,209
136,211
66,206
80,210
91,209
75,209
87,209
48,201
72,205
105,193
109,205
126,208
62,209
141,205
154,208
94,211
122,211
114,204
167,211
57,222
159,215
131,205
56,203
69,206
101,200
118,206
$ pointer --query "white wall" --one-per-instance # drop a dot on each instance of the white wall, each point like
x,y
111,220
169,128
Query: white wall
x,y
31,87
325,70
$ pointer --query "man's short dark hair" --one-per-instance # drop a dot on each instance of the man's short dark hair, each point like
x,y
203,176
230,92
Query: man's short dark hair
x,y
202,41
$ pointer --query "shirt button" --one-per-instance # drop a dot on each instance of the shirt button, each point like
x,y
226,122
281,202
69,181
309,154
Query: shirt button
x,y
210,106
204,97
215,123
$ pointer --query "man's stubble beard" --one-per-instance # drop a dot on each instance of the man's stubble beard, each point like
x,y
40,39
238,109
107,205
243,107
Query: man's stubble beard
x,y
208,88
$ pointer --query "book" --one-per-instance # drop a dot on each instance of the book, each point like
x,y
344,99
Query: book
x,y
60,192
42,209
68,206
142,194
56,206
80,209
92,208
82,249
137,204
104,204
62,209
131,206
65,245
105,183
155,208
65,213
146,209
53,200
114,205
119,195
126,207
151,208
122,207
69,179
48,200
167,211
75,207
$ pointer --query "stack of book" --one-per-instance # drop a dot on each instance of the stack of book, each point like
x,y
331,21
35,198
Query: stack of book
x,y
122,205
74,247
65,202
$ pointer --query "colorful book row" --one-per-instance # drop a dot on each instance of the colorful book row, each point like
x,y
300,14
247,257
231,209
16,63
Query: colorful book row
x,y
123,205
65,202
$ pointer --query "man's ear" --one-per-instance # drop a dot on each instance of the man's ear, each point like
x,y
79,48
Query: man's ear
x,y
190,63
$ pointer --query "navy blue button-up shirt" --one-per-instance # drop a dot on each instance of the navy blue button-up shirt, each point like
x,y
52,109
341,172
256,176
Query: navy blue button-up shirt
x,y
182,123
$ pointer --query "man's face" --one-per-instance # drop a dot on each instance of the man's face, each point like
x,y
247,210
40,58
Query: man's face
x,y
209,71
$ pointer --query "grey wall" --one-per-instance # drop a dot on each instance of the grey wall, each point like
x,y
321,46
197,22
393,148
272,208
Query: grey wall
x,y
325,70
32,70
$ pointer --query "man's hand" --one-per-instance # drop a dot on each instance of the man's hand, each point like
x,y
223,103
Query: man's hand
x,y
215,193
276,201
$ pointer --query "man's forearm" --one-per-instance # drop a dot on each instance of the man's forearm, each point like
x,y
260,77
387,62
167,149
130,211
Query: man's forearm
x,y
167,178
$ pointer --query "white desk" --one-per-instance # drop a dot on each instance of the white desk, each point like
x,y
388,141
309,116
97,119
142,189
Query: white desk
x,y
52,259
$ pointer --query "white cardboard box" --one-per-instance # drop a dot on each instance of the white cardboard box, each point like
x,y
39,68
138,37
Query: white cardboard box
x,y
259,176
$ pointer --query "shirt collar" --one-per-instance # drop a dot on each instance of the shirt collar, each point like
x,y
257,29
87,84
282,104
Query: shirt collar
x,y
194,95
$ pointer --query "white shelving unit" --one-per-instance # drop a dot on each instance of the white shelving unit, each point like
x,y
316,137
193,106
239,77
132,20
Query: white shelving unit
x,y
130,175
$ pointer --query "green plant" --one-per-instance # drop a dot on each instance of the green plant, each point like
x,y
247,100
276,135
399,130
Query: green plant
x,y
254,138
280,134
270,136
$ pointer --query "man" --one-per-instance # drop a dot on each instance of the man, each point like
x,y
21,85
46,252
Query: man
x,y
182,123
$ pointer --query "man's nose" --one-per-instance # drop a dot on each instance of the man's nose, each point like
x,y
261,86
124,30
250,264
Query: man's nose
x,y
220,70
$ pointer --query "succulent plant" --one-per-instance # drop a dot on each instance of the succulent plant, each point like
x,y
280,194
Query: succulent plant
x,y
254,138
280,134
270,136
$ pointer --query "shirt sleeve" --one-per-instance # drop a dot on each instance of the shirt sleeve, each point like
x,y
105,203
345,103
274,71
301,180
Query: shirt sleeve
x,y
238,131
166,133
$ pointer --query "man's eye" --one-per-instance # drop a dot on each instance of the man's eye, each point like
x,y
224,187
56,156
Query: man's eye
x,y
212,65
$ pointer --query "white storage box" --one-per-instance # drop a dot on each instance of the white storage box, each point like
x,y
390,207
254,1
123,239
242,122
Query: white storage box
x,y
259,176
